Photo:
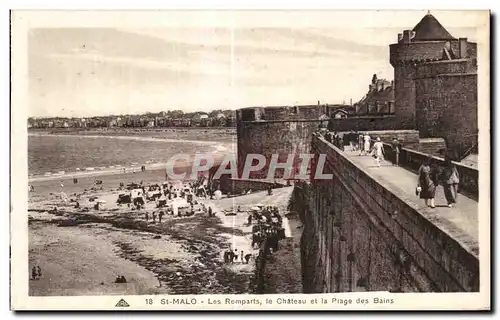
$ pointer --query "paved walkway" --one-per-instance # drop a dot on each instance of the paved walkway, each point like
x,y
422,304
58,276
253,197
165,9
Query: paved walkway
x,y
243,241
463,217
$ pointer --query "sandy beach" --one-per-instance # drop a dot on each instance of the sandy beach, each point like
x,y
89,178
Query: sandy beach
x,y
82,251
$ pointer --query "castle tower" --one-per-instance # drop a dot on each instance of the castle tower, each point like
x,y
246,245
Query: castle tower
x,y
424,43
435,82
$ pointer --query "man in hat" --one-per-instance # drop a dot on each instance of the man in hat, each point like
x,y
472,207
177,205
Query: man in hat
x,y
396,149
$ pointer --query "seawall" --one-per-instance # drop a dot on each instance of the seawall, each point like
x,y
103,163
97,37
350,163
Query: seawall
x,y
364,235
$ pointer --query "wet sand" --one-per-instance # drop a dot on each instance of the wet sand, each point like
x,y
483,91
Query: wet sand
x,y
83,252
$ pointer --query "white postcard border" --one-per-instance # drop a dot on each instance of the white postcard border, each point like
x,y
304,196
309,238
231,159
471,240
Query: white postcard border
x,y
22,21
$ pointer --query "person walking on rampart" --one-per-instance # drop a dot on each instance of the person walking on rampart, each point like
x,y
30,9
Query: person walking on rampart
x,y
346,142
378,151
361,138
450,179
427,180
366,146
340,143
396,149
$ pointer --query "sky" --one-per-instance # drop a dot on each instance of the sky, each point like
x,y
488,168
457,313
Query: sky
x,y
91,71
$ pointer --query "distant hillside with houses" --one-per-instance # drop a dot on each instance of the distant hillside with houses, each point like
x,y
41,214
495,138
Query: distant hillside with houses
x,y
175,118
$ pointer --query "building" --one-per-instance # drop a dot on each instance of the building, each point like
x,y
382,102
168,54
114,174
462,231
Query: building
x,y
281,131
378,100
200,120
339,111
435,83
337,114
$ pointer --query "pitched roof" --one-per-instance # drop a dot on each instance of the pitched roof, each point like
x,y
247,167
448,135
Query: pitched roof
x,y
374,97
429,29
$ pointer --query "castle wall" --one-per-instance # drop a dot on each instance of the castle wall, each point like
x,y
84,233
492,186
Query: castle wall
x,y
446,103
276,130
268,138
238,186
404,96
438,98
281,113
360,235
428,50
363,123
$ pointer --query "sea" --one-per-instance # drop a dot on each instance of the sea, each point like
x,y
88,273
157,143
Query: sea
x,y
72,153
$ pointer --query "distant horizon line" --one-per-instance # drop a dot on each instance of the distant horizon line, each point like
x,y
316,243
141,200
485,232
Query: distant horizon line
x,y
193,112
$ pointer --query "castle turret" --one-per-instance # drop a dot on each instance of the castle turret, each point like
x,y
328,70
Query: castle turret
x,y
430,66
424,43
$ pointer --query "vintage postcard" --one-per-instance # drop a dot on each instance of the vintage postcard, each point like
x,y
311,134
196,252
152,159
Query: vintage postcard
x,y
250,160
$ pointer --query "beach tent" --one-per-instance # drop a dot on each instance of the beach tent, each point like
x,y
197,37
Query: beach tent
x,y
179,203
218,194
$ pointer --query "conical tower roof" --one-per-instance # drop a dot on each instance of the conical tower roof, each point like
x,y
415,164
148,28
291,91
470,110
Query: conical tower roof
x,y
429,29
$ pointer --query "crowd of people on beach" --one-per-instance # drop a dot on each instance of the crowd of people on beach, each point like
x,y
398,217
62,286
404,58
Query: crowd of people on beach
x,y
266,221
231,256
267,231
267,225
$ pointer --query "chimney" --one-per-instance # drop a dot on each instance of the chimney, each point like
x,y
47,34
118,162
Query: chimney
x,y
406,36
400,37
462,48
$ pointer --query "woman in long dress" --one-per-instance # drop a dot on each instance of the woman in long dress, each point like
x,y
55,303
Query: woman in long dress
x,y
367,140
378,151
360,144
450,179
427,182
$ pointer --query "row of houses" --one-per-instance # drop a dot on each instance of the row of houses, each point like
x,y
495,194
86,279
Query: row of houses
x,y
163,119
379,100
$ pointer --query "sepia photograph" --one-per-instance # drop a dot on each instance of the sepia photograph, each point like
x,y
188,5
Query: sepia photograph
x,y
250,160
